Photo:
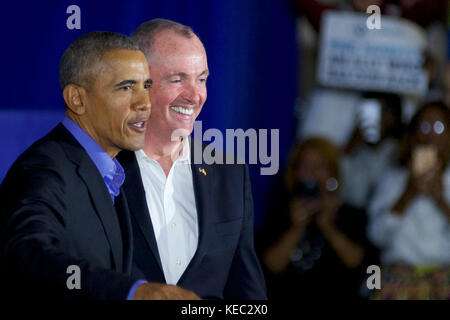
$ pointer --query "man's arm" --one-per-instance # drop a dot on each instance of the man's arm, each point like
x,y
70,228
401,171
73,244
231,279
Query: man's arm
x,y
246,279
34,243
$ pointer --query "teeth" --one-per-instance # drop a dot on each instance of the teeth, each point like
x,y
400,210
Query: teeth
x,y
182,110
139,124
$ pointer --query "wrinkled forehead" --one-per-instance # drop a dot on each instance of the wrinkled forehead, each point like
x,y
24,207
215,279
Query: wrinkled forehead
x,y
116,63
120,64
170,45
120,58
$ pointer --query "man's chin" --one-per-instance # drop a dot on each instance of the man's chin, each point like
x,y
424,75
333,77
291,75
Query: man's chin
x,y
135,145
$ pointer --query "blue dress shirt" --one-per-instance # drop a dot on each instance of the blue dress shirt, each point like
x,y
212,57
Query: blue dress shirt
x,y
110,169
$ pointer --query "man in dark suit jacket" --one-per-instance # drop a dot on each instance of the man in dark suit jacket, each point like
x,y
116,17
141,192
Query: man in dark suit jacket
x,y
192,221
65,225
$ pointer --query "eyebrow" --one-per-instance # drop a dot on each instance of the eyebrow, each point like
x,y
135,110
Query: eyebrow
x,y
125,82
184,74
131,82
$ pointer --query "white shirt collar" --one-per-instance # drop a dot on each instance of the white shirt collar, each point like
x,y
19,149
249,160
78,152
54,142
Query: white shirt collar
x,y
185,154
172,208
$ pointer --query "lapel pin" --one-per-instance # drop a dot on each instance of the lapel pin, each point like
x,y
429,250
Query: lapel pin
x,y
201,170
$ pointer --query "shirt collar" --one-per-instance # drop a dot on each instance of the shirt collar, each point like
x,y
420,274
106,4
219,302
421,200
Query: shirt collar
x,y
110,169
184,153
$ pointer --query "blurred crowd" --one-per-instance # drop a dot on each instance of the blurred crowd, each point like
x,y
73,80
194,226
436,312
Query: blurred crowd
x,y
368,180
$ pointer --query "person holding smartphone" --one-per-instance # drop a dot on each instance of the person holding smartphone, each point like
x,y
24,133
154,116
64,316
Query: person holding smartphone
x,y
373,146
312,244
410,212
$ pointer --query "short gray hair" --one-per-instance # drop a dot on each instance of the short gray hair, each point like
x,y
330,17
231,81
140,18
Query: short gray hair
x,y
145,34
86,51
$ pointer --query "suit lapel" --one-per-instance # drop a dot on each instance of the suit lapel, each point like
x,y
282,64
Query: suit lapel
x,y
203,181
105,210
124,216
137,203
203,178
99,193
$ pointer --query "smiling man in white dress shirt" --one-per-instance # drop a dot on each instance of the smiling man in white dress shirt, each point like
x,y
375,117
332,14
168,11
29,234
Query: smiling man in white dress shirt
x,y
192,223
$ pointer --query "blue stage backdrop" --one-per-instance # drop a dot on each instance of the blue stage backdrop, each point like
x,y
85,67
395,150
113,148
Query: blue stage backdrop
x,y
251,50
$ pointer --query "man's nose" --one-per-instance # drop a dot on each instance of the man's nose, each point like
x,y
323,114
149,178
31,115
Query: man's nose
x,y
142,101
192,93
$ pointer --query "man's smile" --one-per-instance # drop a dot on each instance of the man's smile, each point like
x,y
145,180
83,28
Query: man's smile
x,y
182,110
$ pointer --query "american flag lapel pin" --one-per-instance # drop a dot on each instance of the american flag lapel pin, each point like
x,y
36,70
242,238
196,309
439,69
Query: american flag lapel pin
x,y
201,170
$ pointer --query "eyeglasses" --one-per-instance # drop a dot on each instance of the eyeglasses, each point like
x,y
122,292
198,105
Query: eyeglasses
x,y
438,127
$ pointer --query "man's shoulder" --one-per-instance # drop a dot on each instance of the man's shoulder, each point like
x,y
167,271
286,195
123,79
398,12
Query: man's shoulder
x,y
39,169
48,147
47,153
206,154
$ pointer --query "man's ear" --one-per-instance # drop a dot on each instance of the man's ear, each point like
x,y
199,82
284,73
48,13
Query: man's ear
x,y
75,98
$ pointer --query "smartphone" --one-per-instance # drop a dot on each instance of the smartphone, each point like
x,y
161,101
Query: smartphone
x,y
424,159
307,189
369,119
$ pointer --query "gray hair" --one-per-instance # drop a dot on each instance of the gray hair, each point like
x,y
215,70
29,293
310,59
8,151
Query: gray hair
x,y
145,34
77,62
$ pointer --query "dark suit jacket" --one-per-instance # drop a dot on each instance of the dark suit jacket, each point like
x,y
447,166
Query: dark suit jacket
x,y
56,211
225,265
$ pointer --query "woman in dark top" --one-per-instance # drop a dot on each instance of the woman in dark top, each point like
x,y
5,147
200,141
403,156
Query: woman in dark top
x,y
311,244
